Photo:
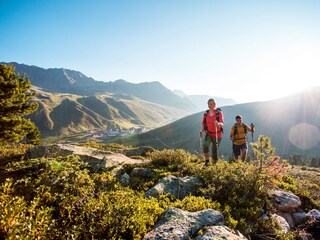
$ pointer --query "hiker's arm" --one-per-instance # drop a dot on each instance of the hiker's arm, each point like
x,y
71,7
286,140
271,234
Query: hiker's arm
x,y
251,128
232,134
221,120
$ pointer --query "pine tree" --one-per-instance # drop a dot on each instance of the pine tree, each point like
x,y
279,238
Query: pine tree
x,y
263,150
15,96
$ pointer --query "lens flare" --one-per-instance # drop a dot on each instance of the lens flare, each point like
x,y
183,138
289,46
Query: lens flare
x,y
304,136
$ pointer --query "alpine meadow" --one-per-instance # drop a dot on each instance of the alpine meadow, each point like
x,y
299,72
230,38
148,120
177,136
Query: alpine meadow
x,y
111,167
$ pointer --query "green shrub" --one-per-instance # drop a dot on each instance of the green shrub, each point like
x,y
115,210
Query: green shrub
x,y
194,204
61,199
177,161
238,187
22,219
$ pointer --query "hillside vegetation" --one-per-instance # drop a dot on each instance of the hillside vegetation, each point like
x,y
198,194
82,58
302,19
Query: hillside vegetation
x,y
63,198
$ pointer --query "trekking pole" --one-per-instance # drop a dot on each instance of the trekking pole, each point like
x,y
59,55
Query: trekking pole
x,y
217,145
252,143
201,150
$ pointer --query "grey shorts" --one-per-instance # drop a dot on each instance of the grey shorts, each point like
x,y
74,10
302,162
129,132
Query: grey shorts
x,y
238,148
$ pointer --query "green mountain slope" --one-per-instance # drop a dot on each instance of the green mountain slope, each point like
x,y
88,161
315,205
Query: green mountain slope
x,y
292,123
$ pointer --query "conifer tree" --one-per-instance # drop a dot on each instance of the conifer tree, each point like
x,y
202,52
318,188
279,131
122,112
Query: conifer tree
x,y
15,96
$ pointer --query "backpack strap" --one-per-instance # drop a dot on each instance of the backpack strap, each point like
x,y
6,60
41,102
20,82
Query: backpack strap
x,y
235,129
204,120
218,110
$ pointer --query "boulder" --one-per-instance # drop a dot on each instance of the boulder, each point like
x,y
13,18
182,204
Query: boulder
x,y
298,217
314,213
178,224
283,224
285,201
220,232
289,219
176,186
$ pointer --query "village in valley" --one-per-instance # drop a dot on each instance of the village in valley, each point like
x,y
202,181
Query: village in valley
x,y
103,134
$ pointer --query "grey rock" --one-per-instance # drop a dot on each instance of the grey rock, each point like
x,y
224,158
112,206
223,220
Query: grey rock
x,y
180,225
285,201
220,232
298,217
176,186
264,217
314,213
125,179
283,224
289,219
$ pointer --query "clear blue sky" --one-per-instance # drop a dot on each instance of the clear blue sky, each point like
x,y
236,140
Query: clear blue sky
x,y
246,50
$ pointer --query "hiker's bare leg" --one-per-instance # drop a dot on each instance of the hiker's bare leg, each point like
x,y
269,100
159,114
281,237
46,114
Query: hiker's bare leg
x,y
243,155
206,156
215,147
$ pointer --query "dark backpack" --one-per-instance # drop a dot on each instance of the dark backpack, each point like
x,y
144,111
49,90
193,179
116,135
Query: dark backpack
x,y
235,129
218,110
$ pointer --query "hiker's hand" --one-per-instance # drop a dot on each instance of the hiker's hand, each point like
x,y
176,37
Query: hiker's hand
x,y
216,123
232,138
200,134
252,126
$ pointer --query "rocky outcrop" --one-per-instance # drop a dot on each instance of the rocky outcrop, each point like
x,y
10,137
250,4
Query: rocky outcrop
x,y
95,158
179,224
289,215
176,186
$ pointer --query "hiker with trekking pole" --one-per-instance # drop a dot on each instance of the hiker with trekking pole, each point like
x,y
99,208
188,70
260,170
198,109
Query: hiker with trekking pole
x,y
212,122
238,136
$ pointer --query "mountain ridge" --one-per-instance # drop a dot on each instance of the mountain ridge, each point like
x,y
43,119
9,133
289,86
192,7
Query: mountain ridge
x,y
63,80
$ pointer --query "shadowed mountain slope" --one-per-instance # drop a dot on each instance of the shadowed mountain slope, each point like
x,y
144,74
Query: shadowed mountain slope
x,y
292,123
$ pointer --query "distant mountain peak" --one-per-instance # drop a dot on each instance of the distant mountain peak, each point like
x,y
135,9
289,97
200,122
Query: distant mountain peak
x,y
120,81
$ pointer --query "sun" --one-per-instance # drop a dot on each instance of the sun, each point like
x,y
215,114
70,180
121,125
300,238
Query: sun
x,y
284,72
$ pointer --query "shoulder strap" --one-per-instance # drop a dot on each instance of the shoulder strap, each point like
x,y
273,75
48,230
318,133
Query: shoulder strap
x,y
235,129
245,128
205,114
218,110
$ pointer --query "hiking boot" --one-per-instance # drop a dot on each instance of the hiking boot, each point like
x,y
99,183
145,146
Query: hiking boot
x,y
206,163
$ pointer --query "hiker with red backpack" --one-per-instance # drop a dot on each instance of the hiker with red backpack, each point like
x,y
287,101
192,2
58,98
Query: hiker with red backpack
x,y
238,136
212,122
